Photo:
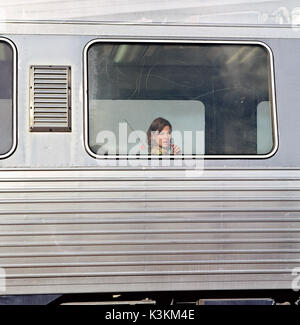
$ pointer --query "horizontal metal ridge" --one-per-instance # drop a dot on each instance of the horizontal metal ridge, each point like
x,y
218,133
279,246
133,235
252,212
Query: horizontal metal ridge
x,y
149,252
63,264
146,189
151,178
50,81
56,242
49,115
49,76
55,117
48,123
40,75
48,87
40,97
158,232
49,70
152,199
51,104
143,220
41,110
207,169
45,91
53,121
51,108
146,273
149,24
147,210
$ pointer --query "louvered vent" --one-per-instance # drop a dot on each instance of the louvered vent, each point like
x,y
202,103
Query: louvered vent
x,y
50,98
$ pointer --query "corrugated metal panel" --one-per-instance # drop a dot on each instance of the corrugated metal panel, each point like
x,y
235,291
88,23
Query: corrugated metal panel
x,y
78,231
50,100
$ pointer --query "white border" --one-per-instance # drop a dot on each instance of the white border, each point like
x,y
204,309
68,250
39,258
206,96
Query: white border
x,y
179,41
14,98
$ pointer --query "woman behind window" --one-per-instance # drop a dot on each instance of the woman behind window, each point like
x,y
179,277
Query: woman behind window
x,y
159,137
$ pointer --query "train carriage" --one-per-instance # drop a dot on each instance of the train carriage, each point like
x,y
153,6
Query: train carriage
x,y
84,205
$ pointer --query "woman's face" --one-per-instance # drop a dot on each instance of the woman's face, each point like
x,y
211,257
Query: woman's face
x,y
163,138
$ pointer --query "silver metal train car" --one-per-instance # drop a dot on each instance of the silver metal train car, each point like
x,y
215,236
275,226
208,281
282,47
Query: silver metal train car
x,y
86,208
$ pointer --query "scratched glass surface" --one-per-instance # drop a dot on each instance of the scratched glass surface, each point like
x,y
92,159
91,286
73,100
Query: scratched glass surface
x,y
220,91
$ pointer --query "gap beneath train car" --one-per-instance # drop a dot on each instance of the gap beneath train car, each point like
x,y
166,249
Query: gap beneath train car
x,y
244,297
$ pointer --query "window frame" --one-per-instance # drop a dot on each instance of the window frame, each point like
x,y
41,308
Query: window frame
x,y
14,98
181,41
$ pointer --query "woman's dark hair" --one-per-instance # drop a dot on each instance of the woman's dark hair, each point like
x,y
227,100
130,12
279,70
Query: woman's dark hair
x,y
157,125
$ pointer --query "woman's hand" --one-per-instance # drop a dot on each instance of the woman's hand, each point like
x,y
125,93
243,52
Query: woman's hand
x,y
176,150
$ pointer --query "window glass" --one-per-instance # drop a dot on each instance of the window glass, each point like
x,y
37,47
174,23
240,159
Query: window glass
x,y
264,128
182,99
6,95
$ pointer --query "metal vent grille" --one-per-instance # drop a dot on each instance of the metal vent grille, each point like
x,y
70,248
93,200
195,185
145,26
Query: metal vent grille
x,y
50,98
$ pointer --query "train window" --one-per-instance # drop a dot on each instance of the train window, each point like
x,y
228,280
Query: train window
x,y
207,99
7,98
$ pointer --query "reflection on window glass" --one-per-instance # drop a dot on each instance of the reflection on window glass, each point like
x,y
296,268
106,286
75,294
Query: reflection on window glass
x,y
189,99
6,105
